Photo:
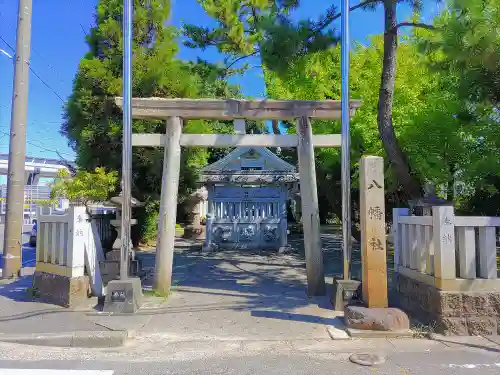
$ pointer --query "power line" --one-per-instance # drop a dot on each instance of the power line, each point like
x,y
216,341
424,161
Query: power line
x,y
50,66
8,45
35,73
47,85
42,147
39,55
81,26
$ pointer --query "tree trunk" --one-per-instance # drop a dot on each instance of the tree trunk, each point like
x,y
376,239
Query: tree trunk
x,y
395,154
276,129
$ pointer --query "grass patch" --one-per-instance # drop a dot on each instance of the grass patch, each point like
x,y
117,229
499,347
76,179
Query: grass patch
x,y
156,293
421,331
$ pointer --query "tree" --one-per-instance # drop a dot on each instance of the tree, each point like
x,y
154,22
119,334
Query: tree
x,y
93,123
436,142
247,28
468,43
85,187
466,48
252,27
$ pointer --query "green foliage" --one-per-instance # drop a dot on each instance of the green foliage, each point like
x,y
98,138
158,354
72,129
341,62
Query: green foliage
x,y
247,28
469,45
437,143
44,202
93,123
38,202
85,187
465,48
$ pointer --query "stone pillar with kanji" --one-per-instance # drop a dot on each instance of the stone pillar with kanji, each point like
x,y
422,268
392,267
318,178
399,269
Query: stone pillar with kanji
x,y
375,315
373,241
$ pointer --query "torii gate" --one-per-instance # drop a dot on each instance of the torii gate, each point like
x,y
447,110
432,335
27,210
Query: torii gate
x,y
175,110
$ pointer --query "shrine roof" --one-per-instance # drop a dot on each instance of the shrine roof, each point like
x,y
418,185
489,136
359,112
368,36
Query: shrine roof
x,y
243,159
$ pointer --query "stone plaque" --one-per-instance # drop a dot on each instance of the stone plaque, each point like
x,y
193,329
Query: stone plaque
x,y
118,296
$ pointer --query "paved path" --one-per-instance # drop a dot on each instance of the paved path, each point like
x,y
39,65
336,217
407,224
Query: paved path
x,y
228,295
420,358
240,294
231,313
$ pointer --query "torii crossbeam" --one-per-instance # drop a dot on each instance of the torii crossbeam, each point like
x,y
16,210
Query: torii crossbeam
x,y
174,110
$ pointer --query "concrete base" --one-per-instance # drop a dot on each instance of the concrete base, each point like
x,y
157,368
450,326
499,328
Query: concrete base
x,y
61,290
450,313
123,296
345,292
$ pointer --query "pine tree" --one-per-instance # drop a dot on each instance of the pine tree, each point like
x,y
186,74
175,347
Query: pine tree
x,y
93,123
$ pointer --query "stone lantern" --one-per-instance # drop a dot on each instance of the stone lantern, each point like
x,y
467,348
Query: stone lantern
x,y
117,223
194,230
423,206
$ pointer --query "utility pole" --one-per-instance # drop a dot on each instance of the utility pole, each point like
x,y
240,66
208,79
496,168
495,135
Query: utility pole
x,y
17,146
346,139
128,11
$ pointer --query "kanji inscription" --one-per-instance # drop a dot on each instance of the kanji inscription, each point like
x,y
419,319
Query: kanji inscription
x,y
375,213
374,184
376,244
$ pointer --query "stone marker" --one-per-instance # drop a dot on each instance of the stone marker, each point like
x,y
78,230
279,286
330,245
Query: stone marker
x,y
123,296
373,241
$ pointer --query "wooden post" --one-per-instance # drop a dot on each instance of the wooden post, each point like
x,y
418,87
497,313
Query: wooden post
x,y
443,223
310,211
168,209
373,241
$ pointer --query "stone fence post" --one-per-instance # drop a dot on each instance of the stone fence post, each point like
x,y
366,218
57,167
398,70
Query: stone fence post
x,y
443,223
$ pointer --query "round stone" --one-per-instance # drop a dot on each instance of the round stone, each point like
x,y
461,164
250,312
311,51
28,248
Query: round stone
x,y
365,359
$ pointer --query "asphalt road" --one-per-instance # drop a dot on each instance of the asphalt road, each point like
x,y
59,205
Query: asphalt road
x,y
452,362
29,253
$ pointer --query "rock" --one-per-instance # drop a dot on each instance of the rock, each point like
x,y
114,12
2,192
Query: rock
x,y
376,319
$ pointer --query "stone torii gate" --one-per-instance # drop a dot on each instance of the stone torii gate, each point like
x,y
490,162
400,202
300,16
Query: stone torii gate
x,y
175,110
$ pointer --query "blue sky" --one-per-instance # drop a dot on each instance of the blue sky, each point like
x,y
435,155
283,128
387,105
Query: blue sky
x,y
58,44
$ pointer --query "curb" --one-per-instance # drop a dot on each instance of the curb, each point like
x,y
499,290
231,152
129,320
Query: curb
x,y
96,339
372,334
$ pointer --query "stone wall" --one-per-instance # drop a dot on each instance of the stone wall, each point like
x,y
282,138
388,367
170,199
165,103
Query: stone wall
x,y
61,290
452,313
